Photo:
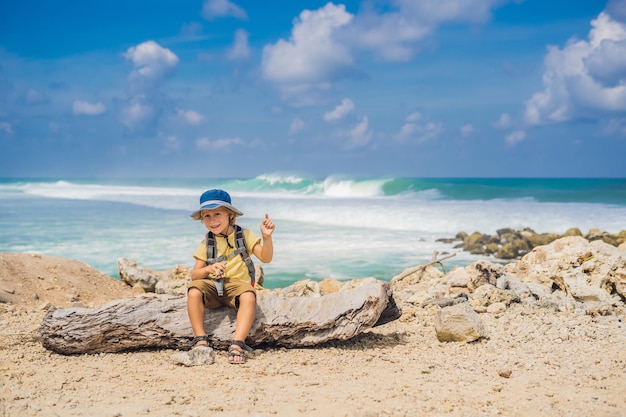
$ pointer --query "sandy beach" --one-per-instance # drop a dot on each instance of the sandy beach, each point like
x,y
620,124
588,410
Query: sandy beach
x,y
535,362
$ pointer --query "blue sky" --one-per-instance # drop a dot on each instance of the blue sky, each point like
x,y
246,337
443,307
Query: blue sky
x,y
219,88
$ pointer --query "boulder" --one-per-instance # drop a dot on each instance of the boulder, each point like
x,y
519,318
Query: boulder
x,y
201,355
487,294
133,274
458,323
585,270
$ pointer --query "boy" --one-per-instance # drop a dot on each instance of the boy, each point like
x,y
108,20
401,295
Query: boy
x,y
225,278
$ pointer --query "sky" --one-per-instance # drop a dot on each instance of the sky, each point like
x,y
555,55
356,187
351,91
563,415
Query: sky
x,y
375,88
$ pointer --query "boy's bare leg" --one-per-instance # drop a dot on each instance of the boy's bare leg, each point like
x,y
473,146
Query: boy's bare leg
x,y
195,311
245,317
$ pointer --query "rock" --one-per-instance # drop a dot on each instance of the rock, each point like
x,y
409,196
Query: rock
x,y
446,302
329,285
6,298
594,234
201,355
131,273
505,231
304,288
171,286
483,272
545,262
563,265
416,286
458,323
458,277
496,308
574,231
505,373
595,309
510,244
536,239
510,282
486,295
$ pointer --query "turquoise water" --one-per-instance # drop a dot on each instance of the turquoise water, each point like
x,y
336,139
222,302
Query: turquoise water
x,y
336,227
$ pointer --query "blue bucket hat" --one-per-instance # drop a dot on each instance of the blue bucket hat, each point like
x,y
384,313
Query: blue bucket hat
x,y
212,199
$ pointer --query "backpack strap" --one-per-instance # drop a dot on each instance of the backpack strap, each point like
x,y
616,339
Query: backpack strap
x,y
240,244
241,248
211,250
211,259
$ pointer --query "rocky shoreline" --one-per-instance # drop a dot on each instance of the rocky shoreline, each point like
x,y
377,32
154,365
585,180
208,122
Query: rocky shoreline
x,y
510,244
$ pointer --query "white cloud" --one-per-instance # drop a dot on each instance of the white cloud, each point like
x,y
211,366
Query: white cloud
x,y
325,42
206,144
438,11
607,63
190,116
138,115
152,65
343,109
396,34
417,129
515,137
360,135
504,122
86,108
466,130
6,127
191,30
214,9
584,78
296,125
240,49
312,55
34,97
414,117
151,61
614,126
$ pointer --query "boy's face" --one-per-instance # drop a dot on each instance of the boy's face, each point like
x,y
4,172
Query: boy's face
x,y
216,220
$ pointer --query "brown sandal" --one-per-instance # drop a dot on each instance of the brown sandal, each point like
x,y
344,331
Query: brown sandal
x,y
197,339
241,351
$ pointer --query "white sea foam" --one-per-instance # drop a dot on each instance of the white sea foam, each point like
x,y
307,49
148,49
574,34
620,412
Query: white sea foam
x,y
344,229
333,187
360,205
277,178
157,197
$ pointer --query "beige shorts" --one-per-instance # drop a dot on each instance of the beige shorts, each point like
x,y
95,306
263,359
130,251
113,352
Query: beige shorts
x,y
232,290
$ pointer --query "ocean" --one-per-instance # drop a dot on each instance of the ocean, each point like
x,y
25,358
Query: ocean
x,y
335,227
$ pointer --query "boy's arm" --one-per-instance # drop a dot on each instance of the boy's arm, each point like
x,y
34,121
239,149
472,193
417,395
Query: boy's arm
x,y
265,250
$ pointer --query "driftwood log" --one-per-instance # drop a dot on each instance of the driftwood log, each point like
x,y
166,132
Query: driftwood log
x,y
160,321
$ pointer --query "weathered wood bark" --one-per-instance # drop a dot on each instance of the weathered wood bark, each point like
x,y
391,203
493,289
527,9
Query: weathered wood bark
x,y
162,322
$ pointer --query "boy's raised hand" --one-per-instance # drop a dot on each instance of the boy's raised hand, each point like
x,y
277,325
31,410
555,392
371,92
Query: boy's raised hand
x,y
267,226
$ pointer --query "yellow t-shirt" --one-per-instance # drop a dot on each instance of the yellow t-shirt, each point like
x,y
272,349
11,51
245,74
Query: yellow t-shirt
x,y
235,267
